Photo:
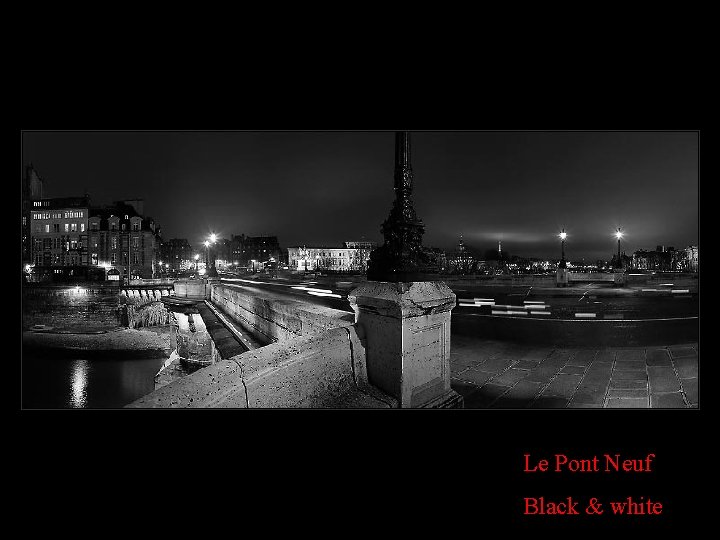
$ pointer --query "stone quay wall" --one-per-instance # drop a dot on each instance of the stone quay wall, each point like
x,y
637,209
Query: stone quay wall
x,y
84,307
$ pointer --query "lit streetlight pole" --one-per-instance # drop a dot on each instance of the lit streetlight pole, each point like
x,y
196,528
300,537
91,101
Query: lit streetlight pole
x,y
212,271
561,276
619,235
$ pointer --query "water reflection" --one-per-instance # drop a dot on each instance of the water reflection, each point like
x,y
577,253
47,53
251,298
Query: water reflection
x,y
78,397
49,382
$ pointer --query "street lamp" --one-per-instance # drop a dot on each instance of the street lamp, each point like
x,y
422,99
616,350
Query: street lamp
x,y
563,236
196,261
619,235
212,272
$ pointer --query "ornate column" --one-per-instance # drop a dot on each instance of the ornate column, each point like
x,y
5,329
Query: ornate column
x,y
403,311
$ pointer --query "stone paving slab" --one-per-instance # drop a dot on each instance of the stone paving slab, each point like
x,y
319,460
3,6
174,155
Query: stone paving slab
x,y
630,354
686,367
474,376
628,384
627,403
583,358
571,369
627,393
493,374
526,364
484,396
604,355
589,395
683,352
690,388
629,375
495,365
672,400
658,357
549,402
629,365
510,377
663,379
563,386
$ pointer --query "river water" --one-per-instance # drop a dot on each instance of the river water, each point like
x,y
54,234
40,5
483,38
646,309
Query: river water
x,y
49,382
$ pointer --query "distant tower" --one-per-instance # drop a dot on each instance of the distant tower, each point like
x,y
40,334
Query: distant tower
x,y
499,248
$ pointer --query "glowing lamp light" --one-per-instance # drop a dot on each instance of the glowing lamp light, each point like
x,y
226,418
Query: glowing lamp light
x,y
563,235
206,243
213,238
28,268
167,265
618,234
201,271
197,257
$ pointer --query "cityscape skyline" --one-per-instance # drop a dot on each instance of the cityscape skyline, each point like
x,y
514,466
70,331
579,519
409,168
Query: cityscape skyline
x,y
324,188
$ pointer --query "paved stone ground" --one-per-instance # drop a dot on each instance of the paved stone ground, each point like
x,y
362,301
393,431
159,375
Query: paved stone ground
x,y
497,374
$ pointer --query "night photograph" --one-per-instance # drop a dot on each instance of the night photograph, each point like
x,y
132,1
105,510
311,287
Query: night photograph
x,y
404,269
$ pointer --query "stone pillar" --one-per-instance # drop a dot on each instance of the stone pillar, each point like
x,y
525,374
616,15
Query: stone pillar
x,y
620,279
561,277
406,330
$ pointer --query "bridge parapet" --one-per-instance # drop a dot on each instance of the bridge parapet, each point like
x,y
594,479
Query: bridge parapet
x,y
326,370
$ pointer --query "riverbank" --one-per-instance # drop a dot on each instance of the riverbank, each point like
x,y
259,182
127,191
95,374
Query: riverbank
x,y
153,342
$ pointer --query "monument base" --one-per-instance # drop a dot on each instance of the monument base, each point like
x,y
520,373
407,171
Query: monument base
x,y
406,328
450,400
561,277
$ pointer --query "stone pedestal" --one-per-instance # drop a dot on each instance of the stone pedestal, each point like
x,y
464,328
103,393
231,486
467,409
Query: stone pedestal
x,y
620,277
406,330
561,277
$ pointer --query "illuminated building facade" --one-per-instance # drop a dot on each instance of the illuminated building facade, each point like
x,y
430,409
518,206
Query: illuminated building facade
x,y
120,237
58,232
178,253
253,251
344,259
32,192
666,259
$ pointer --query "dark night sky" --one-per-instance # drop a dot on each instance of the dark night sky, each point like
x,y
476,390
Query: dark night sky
x,y
323,188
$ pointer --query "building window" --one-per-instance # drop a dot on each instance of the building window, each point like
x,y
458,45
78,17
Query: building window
x,y
73,244
94,258
125,257
135,242
56,227
136,226
123,226
73,227
136,260
113,258
82,227
24,220
113,227
67,227
47,228
114,242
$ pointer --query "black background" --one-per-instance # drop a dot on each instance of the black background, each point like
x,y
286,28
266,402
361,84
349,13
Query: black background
x,y
343,473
